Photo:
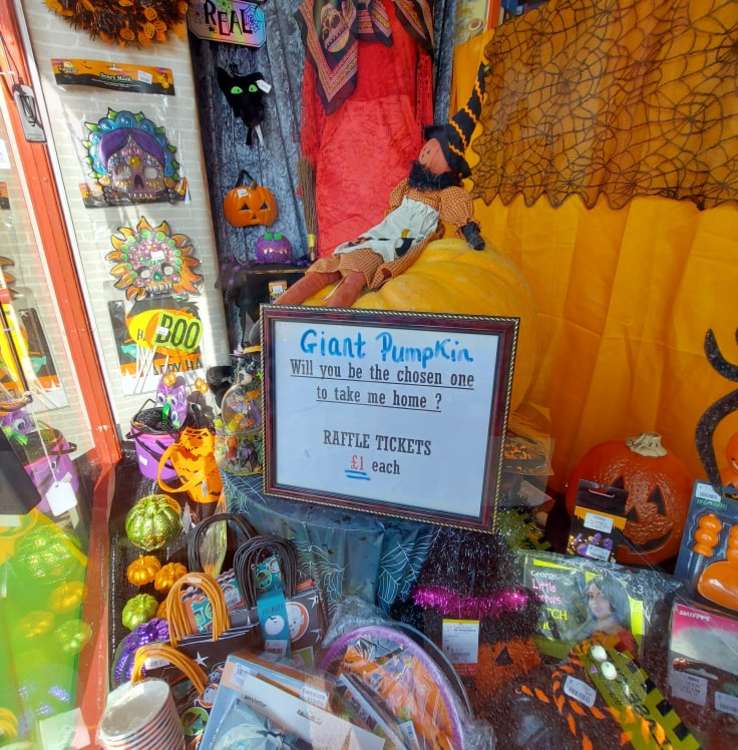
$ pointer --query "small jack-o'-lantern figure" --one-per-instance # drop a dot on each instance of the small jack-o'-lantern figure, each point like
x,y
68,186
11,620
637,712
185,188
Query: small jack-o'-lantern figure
x,y
503,661
249,205
659,489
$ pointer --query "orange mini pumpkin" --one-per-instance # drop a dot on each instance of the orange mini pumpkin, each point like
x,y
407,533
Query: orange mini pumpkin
x,y
169,575
250,205
143,570
659,488
67,596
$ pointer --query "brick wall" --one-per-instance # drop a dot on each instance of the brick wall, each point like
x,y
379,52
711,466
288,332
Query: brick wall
x,y
68,108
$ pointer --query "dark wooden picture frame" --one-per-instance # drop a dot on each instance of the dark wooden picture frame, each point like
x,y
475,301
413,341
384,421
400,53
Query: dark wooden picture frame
x,y
506,331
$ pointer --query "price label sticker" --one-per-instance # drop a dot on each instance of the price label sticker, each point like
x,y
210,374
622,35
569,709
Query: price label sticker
x,y
461,643
408,731
314,695
688,687
598,553
580,691
598,523
706,492
61,497
155,662
145,76
726,703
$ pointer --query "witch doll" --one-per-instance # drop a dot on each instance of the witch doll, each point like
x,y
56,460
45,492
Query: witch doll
x,y
430,194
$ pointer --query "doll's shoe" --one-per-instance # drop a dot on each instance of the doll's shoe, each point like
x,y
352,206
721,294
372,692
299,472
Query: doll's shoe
x,y
719,584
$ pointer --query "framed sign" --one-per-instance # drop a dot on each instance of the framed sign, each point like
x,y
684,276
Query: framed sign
x,y
401,414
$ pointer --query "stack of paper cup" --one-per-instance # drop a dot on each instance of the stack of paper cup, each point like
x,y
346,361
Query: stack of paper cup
x,y
141,716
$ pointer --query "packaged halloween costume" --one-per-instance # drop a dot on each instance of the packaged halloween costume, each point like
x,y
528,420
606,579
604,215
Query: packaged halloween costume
x,y
583,598
703,672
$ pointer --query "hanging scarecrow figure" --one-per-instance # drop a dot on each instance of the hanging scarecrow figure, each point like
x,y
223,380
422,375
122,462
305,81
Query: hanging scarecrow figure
x,y
432,193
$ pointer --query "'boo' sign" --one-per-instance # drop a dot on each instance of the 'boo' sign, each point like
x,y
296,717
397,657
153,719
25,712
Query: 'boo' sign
x,y
396,413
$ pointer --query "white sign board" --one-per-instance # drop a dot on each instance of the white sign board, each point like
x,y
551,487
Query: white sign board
x,y
402,414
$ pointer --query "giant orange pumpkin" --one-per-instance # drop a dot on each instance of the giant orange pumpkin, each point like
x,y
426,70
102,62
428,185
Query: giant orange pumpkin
x,y
659,490
250,205
449,277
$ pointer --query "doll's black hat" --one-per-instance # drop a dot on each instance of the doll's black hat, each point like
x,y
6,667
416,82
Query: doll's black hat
x,y
456,134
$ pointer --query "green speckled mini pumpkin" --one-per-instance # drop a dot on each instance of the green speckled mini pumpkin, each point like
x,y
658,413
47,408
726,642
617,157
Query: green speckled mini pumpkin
x,y
48,555
72,636
138,610
153,521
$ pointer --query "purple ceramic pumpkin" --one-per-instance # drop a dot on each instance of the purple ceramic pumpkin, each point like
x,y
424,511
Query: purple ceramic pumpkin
x,y
273,247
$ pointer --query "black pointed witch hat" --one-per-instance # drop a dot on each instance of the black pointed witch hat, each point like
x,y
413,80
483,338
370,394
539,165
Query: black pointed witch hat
x,y
455,135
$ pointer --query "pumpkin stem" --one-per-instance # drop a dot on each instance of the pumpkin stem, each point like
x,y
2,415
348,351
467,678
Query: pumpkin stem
x,y
647,444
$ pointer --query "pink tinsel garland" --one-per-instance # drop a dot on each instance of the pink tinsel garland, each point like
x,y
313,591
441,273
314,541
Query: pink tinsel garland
x,y
448,602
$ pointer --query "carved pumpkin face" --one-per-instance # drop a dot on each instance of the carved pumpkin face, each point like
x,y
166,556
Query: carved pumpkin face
x,y
659,489
250,205
504,661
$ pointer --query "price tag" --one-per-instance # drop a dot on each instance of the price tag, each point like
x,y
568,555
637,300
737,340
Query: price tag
x,y
408,732
688,687
155,662
316,696
598,553
726,703
461,644
706,492
145,76
580,691
60,496
597,522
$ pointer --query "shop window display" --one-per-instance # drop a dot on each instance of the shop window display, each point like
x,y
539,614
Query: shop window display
x,y
414,425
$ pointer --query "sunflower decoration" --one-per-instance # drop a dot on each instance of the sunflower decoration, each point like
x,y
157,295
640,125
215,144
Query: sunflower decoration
x,y
138,23
152,262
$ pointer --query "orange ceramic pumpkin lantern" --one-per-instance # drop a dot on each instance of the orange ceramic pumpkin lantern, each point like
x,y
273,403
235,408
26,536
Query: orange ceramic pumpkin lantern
x,y
249,205
659,489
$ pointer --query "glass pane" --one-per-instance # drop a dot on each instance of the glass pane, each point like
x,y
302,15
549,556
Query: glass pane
x,y
46,480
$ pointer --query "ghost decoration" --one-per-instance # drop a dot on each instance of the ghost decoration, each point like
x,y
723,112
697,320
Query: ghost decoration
x,y
245,95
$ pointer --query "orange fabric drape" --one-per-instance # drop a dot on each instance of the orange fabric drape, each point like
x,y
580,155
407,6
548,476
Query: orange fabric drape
x,y
624,299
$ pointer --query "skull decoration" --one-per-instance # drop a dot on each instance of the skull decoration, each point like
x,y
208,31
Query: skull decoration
x,y
335,25
136,172
153,262
131,158
172,390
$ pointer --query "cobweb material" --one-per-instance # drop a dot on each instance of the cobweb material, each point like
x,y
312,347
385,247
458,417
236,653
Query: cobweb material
x,y
620,98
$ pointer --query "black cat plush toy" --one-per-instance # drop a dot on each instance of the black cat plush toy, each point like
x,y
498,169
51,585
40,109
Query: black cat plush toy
x,y
245,94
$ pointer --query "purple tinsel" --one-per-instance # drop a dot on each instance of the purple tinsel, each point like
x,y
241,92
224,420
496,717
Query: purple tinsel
x,y
492,606
153,631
